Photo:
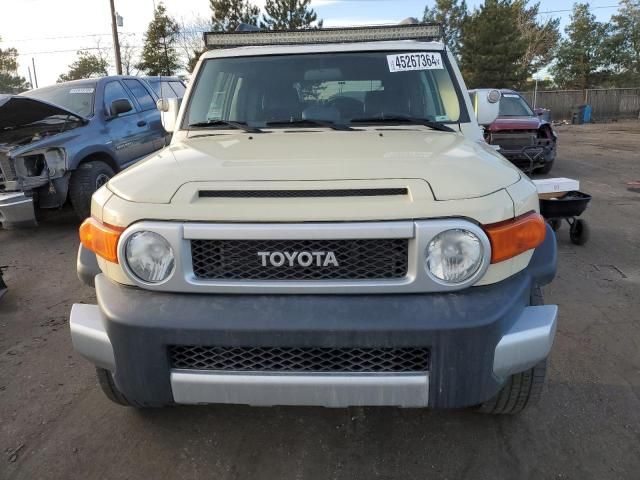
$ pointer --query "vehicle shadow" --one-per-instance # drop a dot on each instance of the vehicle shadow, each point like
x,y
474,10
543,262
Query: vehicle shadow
x,y
543,442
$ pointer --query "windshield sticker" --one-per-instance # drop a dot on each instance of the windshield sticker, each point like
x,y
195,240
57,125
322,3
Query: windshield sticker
x,y
442,118
81,90
407,62
510,95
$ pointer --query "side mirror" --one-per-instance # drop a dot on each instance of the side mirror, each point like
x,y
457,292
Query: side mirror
x,y
169,108
120,106
539,111
486,104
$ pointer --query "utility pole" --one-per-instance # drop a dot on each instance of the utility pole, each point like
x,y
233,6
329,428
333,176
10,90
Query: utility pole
x,y
30,78
35,75
116,42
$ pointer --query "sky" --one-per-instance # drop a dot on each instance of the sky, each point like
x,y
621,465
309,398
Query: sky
x,y
51,31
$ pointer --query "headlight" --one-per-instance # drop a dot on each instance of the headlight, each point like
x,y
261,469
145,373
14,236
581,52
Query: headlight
x,y
149,256
454,256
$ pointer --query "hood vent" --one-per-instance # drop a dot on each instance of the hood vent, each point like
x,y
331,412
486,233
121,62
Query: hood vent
x,y
345,192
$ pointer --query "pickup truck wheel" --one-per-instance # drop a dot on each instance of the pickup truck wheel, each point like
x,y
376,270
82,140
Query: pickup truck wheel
x,y
108,386
546,168
522,389
88,178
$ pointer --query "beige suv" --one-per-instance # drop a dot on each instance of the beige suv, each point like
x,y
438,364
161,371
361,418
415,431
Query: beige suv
x,y
327,227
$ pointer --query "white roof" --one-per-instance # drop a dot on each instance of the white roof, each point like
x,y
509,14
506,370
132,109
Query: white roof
x,y
322,48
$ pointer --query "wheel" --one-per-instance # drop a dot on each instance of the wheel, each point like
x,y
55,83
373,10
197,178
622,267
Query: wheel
x,y
579,232
108,386
88,178
546,168
523,389
555,224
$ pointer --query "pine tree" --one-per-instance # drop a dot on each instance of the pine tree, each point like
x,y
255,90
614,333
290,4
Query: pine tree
x,y
451,14
623,47
491,48
86,66
226,15
580,58
289,15
10,81
159,56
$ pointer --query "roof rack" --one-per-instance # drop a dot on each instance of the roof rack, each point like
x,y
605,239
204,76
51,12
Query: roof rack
x,y
379,33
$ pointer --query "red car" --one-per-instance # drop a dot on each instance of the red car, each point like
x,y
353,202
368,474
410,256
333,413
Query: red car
x,y
524,137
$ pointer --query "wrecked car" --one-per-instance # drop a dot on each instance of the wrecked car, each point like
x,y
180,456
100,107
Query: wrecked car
x,y
66,141
524,138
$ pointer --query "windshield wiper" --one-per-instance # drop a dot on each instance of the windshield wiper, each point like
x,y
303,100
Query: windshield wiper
x,y
405,119
227,123
311,121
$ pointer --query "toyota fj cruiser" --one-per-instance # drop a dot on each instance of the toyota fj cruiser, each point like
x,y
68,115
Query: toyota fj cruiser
x,y
327,227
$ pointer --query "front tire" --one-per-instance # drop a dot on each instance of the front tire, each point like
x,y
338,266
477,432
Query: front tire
x,y
108,387
84,182
523,389
546,168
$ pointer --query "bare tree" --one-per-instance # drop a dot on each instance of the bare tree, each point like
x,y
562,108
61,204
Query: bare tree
x,y
541,36
129,54
190,41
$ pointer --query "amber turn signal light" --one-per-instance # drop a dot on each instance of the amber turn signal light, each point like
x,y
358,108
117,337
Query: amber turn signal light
x,y
513,237
100,238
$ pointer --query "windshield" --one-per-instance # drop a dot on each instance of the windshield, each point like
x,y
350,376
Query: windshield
x,y
513,105
340,88
77,97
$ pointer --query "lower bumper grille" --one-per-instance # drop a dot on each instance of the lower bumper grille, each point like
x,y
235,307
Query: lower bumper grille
x,y
351,259
300,359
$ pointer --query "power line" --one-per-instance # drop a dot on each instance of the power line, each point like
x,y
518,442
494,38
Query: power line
x,y
571,10
65,37
83,49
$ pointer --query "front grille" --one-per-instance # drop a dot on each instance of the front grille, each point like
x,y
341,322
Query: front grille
x,y
514,140
300,359
357,259
344,192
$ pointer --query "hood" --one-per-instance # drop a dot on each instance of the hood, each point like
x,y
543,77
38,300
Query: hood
x,y
454,167
515,123
16,111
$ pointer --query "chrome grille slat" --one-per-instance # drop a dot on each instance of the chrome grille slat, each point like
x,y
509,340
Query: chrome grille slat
x,y
358,259
300,359
7,170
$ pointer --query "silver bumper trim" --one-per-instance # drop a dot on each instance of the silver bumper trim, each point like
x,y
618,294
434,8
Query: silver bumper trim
x,y
528,341
89,337
335,390
16,209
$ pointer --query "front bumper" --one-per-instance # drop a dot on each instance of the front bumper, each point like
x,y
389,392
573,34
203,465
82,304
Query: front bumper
x,y
476,337
516,155
16,210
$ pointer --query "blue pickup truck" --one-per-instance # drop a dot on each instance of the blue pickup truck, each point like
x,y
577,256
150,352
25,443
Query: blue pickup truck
x,y
65,141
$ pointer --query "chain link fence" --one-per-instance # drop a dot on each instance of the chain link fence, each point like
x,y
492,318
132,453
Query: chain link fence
x,y
606,103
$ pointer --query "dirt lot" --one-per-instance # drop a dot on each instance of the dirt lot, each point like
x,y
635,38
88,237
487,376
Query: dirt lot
x,y
55,423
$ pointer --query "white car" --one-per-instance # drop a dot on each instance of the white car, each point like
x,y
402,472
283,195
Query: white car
x,y
327,227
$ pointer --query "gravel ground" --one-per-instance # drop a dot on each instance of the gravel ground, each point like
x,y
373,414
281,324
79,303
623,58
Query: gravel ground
x,y
55,423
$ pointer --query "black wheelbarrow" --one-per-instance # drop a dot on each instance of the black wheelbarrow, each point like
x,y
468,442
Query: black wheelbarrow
x,y
568,208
